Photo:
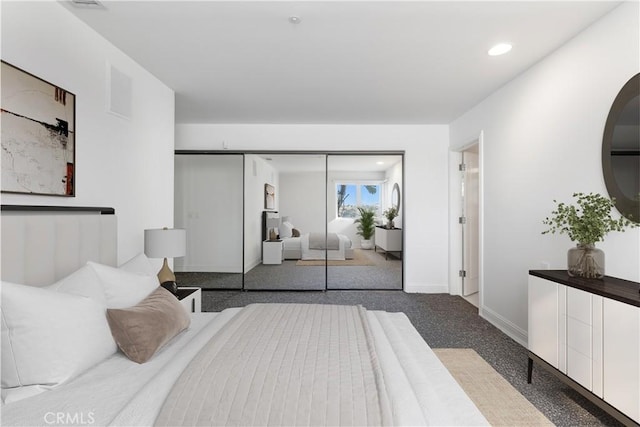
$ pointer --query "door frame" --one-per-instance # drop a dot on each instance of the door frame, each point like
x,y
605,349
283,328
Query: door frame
x,y
455,208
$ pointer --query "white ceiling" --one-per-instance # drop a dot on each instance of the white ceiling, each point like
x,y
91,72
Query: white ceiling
x,y
357,62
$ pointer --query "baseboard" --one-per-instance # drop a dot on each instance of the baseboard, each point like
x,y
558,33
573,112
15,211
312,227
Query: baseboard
x,y
513,331
426,289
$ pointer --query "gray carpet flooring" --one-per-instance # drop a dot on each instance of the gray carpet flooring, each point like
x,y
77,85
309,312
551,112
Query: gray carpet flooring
x,y
446,321
386,273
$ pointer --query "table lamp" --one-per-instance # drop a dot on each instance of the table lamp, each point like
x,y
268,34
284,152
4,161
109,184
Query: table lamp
x,y
272,224
166,243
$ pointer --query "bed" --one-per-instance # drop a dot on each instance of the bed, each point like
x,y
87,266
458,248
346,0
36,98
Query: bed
x,y
277,364
314,245
298,248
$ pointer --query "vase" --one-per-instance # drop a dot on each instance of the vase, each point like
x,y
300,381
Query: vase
x,y
366,244
390,224
585,260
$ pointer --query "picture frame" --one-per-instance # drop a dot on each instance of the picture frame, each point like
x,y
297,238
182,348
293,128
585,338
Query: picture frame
x,y
269,196
38,136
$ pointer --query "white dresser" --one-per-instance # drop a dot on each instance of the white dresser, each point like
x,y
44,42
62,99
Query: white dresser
x,y
588,332
389,240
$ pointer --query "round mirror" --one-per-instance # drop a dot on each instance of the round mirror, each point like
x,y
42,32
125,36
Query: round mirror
x,y
395,197
621,150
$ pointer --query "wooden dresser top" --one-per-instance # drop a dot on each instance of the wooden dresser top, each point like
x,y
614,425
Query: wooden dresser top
x,y
621,290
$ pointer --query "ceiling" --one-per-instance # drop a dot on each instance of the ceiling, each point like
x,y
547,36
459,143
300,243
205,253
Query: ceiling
x,y
346,62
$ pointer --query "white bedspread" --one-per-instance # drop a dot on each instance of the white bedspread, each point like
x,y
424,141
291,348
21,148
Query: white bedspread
x,y
284,364
319,254
122,393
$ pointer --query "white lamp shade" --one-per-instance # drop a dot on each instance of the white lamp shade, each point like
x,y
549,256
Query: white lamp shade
x,y
165,242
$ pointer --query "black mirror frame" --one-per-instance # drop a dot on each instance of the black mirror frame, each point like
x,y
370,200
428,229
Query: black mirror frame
x,y
629,208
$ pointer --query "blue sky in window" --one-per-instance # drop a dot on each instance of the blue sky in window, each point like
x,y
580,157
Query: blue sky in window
x,y
367,198
349,207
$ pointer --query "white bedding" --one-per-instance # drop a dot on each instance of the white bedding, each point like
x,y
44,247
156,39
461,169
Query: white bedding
x,y
120,392
107,394
291,243
319,254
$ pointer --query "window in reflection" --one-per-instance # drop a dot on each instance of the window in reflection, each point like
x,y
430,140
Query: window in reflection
x,y
351,196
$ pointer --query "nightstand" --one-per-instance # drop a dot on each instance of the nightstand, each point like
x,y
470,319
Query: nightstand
x,y
272,252
191,299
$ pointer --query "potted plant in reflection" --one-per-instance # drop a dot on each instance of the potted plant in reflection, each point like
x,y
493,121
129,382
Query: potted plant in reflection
x,y
586,223
366,227
390,214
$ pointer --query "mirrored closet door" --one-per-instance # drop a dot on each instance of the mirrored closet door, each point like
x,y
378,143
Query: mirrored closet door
x,y
285,222
209,205
364,221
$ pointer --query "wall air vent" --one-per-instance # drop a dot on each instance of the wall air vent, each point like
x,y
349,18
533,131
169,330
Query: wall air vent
x,y
87,3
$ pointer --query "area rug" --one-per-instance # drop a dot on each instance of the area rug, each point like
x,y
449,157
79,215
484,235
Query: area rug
x,y
500,403
359,259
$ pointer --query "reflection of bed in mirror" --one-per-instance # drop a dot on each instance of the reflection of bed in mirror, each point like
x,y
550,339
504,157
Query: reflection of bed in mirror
x,y
314,245
300,248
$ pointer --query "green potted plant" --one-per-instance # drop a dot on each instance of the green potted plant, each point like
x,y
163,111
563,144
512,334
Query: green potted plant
x,y
586,223
366,227
390,214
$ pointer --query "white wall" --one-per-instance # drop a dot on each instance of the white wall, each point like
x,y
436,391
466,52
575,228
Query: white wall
x,y
126,164
208,204
302,199
426,174
542,141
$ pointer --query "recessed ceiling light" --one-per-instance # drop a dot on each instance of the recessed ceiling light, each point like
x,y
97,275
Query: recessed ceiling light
x,y
87,3
380,163
500,49
294,19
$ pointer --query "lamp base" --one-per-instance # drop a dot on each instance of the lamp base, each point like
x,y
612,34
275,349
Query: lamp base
x,y
165,274
170,286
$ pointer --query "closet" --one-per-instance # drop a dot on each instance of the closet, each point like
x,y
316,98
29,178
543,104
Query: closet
x,y
288,221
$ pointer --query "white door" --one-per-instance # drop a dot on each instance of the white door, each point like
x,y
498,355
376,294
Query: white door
x,y
470,225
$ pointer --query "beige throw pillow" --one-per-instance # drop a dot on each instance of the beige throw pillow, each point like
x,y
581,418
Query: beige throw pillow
x,y
140,331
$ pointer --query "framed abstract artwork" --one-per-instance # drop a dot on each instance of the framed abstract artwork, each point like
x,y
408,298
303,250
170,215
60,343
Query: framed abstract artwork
x,y
269,196
38,135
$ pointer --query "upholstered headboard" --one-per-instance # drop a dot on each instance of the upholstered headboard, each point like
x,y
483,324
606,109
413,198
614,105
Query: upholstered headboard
x,y
41,246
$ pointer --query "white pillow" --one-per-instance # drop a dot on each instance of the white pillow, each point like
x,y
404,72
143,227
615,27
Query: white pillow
x,y
140,264
83,282
286,229
123,289
48,338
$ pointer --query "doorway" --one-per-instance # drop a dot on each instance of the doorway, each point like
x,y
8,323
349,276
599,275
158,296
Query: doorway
x,y
470,223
